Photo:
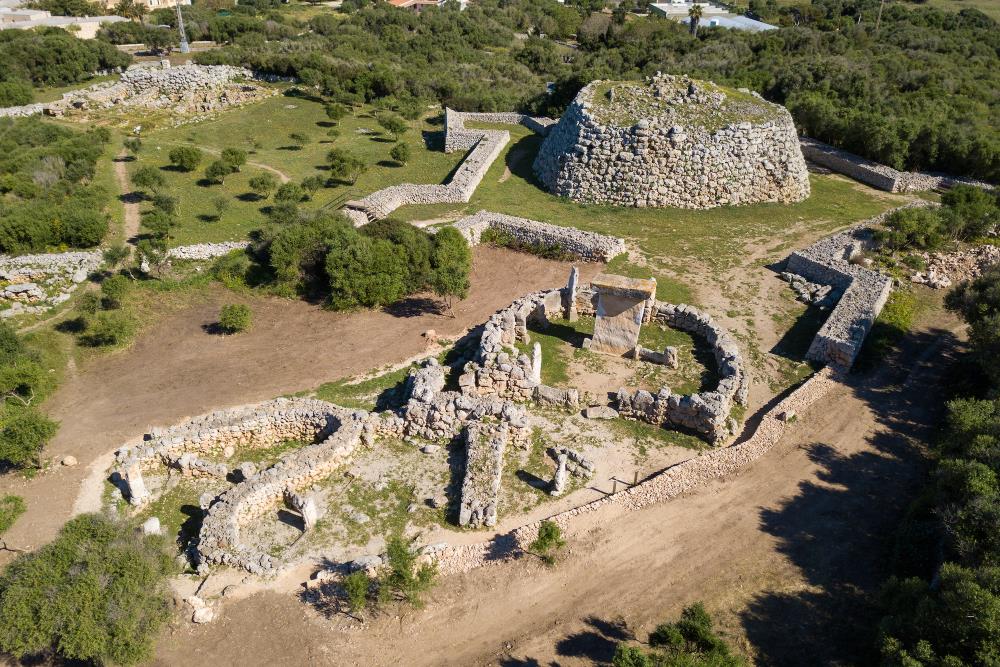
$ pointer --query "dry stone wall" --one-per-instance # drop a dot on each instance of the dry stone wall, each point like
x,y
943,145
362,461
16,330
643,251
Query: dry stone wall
x,y
655,145
459,138
833,261
485,443
706,412
588,246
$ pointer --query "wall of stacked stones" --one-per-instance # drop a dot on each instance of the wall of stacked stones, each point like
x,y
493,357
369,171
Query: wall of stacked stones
x,y
485,444
831,261
655,166
588,246
38,282
457,137
706,412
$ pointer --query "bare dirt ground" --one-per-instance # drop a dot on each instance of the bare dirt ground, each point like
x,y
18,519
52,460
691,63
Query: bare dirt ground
x,y
786,555
129,201
177,370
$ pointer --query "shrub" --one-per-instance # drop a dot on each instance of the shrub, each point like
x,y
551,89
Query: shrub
x,y
345,165
549,540
11,507
133,145
15,93
402,576
312,184
416,244
185,158
232,269
165,203
113,291
975,211
234,318
298,139
366,272
335,111
97,593
630,656
108,329
356,586
23,434
400,153
148,178
82,227
289,192
221,205
392,124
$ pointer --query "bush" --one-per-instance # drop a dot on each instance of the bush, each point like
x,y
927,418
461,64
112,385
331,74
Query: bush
x,y
148,178
975,211
345,165
97,593
366,272
234,318
15,93
392,124
356,586
451,262
113,291
11,507
549,540
402,576
400,153
108,329
165,203
218,170
23,434
690,642
234,157
263,184
185,158
289,192
416,244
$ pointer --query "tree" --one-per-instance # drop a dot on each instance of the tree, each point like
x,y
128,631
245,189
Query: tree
x,y
975,212
694,18
24,432
130,9
298,139
393,124
365,272
234,318
335,111
152,254
311,185
185,158
549,540
289,192
217,171
11,507
630,656
97,593
148,178
345,164
400,153
166,203
451,262
221,205
263,184
234,157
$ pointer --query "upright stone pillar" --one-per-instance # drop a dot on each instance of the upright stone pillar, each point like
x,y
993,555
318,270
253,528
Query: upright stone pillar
x,y
559,482
309,513
536,363
571,287
647,315
137,492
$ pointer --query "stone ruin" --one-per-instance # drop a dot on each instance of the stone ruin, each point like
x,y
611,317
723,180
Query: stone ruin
x,y
623,304
35,283
672,141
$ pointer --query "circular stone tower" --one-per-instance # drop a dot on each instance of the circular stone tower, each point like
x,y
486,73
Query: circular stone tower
x,y
672,141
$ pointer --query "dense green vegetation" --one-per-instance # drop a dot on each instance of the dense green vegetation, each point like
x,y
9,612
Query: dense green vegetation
x,y
965,213
24,383
97,593
941,608
54,57
916,93
46,196
690,642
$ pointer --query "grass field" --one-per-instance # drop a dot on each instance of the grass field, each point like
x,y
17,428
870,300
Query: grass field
x,y
263,131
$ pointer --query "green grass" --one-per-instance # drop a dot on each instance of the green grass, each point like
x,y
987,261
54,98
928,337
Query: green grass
x,y
178,510
369,394
263,130
668,289
892,324
53,93
648,435
669,238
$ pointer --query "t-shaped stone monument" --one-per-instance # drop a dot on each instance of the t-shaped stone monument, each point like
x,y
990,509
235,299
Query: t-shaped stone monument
x,y
623,304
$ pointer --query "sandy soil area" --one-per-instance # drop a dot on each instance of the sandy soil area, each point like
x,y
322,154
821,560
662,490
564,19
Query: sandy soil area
x,y
785,554
177,370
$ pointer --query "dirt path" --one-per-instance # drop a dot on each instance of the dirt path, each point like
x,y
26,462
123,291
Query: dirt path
x,y
130,229
177,370
783,554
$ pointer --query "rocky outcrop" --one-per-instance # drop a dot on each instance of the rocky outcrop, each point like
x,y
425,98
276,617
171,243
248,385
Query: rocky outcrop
x,y
35,283
588,246
943,269
672,141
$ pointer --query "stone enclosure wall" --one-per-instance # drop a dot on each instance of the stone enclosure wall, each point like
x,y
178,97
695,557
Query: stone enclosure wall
x,y
35,283
658,162
588,246
459,138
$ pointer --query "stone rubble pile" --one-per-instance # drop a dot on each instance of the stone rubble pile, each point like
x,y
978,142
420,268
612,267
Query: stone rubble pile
x,y
485,443
35,283
605,157
588,246
834,261
706,412
813,294
945,269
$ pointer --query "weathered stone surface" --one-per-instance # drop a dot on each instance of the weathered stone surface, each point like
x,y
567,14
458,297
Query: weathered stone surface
x,y
632,151
621,305
485,443
599,412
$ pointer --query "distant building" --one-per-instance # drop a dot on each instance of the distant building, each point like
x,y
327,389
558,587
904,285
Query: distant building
x,y
711,16
151,4
14,17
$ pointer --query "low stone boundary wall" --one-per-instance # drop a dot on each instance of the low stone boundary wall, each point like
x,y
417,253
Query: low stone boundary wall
x,y
200,251
878,175
35,283
831,261
459,188
458,137
667,485
220,540
588,246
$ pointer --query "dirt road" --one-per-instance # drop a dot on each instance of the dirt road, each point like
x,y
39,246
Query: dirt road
x,y
129,199
784,554
177,370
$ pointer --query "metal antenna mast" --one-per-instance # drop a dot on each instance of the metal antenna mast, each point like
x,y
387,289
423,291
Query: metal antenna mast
x,y
180,28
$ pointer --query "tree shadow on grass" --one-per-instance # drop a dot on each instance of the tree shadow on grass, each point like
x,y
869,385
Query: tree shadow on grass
x,y
839,529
